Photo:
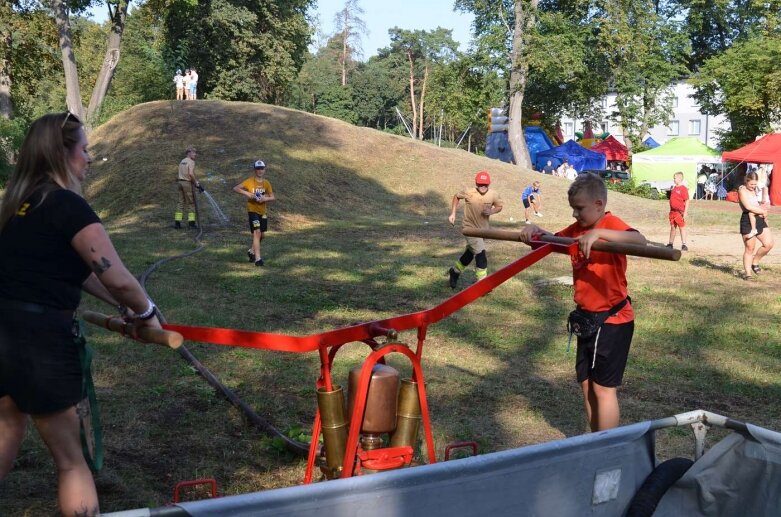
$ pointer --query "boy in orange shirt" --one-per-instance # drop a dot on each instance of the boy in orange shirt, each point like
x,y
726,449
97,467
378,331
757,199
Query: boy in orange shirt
x,y
679,206
601,292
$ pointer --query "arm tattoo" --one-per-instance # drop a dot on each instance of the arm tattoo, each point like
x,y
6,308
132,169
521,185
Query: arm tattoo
x,y
101,267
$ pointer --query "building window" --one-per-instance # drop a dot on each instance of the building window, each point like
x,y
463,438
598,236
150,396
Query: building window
x,y
568,129
603,102
672,129
694,127
604,126
675,103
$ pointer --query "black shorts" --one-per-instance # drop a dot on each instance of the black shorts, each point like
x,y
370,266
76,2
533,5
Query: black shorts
x,y
745,224
527,202
257,222
39,361
612,351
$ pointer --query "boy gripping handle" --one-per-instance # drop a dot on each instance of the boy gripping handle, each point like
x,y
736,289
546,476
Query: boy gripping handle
x,y
600,285
479,204
679,207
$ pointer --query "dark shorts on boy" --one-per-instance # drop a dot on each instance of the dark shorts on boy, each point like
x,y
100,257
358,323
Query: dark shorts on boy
x,y
39,361
257,222
676,219
527,202
611,345
745,224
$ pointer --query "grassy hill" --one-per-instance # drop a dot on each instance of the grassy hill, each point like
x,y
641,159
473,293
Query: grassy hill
x,y
360,232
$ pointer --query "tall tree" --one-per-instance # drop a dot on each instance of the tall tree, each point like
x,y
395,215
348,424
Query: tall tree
x,y
61,13
349,27
505,27
646,53
421,50
117,10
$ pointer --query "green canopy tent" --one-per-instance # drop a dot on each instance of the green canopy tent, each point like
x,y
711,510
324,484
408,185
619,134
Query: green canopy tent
x,y
686,154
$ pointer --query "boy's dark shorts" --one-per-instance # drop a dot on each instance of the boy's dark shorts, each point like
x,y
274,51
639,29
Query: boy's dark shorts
x,y
612,350
39,361
257,222
745,224
529,200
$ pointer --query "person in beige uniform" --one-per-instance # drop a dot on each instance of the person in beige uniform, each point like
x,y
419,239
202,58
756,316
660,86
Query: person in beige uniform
x,y
479,204
184,190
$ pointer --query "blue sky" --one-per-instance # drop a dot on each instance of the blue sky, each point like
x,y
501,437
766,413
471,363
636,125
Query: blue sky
x,y
381,15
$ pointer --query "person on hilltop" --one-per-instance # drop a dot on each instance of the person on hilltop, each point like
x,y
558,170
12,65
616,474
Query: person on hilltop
x,y
179,82
549,168
561,171
479,204
748,202
258,191
193,84
186,80
603,306
185,181
679,207
52,247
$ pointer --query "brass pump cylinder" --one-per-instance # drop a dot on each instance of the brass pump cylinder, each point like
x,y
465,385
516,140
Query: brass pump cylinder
x,y
381,400
334,425
408,415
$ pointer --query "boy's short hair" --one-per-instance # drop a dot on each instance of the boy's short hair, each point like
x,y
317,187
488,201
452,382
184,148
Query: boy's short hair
x,y
679,173
536,183
590,184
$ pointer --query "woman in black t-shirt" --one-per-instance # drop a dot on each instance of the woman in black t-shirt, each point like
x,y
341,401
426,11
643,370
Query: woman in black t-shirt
x,y
53,246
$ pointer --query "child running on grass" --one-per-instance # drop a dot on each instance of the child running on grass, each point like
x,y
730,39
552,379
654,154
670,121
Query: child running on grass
x,y
258,191
679,207
532,198
601,294
479,204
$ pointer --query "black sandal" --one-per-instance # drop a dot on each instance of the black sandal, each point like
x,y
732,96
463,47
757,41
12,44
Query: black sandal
x,y
755,268
748,277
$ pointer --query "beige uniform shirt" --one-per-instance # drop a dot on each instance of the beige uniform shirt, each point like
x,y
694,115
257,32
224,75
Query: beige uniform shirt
x,y
187,164
474,205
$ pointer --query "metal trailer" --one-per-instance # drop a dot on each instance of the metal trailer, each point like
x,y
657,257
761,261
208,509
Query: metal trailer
x,y
595,474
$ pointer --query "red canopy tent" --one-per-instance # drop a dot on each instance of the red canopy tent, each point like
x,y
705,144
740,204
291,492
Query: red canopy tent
x,y
765,150
612,149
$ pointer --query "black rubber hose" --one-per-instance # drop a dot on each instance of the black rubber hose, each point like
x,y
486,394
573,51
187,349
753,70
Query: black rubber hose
x,y
656,485
294,446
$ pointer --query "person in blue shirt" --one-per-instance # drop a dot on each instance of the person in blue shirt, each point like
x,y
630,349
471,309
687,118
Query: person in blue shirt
x,y
532,198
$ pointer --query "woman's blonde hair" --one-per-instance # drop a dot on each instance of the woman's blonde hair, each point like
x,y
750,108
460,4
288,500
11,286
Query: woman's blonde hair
x,y
43,160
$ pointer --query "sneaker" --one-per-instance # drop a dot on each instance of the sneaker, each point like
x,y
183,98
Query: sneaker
x,y
538,214
752,233
453,280
259,262
669,245
684,247
528,222
251,255
755,268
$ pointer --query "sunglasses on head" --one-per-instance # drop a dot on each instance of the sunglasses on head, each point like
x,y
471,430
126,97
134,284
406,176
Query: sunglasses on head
x,y
67,116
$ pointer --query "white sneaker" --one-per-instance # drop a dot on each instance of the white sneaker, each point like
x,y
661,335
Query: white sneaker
x,y
751,234
538,214
528,222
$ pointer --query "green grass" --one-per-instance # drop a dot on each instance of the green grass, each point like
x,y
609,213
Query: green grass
x,y
359,233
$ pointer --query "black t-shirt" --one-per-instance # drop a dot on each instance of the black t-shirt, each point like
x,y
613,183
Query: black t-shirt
x,y
37,262
548,169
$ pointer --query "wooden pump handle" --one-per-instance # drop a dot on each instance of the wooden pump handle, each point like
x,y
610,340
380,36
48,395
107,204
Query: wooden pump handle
x,y
148,334
636,250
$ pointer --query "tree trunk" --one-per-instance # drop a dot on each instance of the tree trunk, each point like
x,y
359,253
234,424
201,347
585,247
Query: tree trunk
x,y
110,61
412,92
73,96
518,82
6,108
344,57
422,99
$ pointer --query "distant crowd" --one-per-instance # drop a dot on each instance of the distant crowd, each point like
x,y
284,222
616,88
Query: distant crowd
x,y
186,85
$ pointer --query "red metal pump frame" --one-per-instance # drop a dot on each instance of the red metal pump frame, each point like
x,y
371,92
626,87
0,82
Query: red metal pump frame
x,y
328,344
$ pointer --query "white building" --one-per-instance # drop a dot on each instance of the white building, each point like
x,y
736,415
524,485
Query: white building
x,y
685,121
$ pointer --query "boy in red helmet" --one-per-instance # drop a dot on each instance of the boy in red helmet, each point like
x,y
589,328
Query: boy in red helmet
x,y
479,204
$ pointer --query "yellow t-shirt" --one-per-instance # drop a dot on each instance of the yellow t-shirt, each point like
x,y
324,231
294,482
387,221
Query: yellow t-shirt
x,y
258,187
474,205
